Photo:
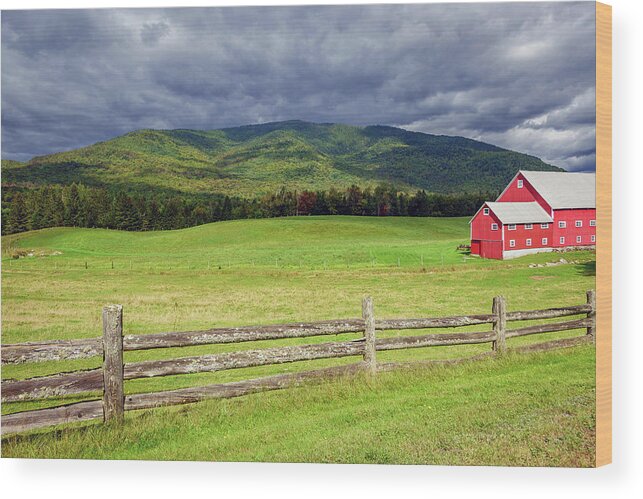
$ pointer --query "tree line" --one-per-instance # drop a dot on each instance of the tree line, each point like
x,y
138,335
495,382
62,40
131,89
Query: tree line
x,y
77,205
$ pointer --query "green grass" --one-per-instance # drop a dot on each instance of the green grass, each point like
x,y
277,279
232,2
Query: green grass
x,y
261,272
529,410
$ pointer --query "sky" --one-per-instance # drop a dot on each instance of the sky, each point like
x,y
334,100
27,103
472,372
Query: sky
x,y
517,75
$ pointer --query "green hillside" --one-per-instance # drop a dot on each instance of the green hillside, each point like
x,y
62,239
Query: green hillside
x,y
256,159
330,241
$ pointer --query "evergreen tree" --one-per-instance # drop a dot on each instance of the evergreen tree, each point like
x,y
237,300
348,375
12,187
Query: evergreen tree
x,y
419,205
124,214
17,217
71,206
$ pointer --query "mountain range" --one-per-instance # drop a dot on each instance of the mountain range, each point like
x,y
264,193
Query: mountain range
x,y
256,159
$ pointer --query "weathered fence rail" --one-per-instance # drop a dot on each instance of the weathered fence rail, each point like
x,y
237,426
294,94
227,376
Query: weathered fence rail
x,y
111,377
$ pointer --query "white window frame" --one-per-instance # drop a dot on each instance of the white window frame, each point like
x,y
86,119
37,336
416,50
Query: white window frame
x,y
593,238
485,211
579,223
520,184
544,241
579,239
562,240
544,226
512,243
511,227
592,223
528,242
494,226
562,224
529,226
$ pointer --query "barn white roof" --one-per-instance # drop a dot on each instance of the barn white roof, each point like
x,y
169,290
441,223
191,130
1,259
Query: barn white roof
x,y
520,213
563,189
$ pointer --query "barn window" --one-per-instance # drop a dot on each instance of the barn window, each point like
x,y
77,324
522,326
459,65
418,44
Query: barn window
x,y
544,226
485,211
520,184
593,238
579,239
512,243
529,226
562,240
494,226
544,241
562,224
592,223
528,242
579,223
511,227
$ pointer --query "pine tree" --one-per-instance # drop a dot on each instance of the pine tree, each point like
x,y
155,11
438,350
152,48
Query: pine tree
x,y
72,206
56,207
17,218
36,210
124,213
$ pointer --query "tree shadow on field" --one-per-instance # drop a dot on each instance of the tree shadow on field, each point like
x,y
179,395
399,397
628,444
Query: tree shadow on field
x,y
587,269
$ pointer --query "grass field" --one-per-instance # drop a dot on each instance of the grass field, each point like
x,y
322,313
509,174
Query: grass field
x,y
301,269
516,411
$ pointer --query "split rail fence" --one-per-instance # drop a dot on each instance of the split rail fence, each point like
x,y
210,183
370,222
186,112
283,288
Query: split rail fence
x,y
111,376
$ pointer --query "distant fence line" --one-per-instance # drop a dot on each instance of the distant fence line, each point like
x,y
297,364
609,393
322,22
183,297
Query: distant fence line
x,y
404,260
111,376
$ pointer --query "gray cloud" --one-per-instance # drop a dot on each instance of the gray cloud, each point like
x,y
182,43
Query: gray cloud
x,y
517,75
151,33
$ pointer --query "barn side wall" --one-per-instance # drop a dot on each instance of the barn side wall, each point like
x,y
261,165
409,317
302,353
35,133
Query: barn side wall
x,y
521,234
571,232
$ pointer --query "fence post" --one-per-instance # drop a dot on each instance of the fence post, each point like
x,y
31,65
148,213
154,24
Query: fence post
x,y
369,334
591,315
113,392
500,324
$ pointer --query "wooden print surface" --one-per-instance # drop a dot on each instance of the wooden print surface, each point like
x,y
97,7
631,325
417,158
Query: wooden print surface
x,y
604,233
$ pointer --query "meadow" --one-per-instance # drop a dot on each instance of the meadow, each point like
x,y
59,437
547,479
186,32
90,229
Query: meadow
x,y
305,269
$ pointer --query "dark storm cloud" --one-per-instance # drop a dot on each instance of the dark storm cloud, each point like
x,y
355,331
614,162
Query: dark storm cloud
x,y
151,33
516,75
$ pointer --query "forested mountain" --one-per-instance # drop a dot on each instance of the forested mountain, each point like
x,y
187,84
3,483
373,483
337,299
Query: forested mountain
x,y
254,160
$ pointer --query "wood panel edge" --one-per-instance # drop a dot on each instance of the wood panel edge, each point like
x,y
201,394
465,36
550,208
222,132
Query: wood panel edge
x,y
604,234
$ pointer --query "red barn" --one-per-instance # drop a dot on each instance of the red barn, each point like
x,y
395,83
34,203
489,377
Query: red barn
x,y
537,211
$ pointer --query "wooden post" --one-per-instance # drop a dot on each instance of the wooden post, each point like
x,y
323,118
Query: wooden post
x,y
591,301
113,392
500,324
369,335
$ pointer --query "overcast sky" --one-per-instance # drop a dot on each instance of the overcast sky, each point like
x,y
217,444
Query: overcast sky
x,y
520,76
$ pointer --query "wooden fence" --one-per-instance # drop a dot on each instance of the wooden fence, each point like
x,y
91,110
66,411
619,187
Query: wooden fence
x,y
111,376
